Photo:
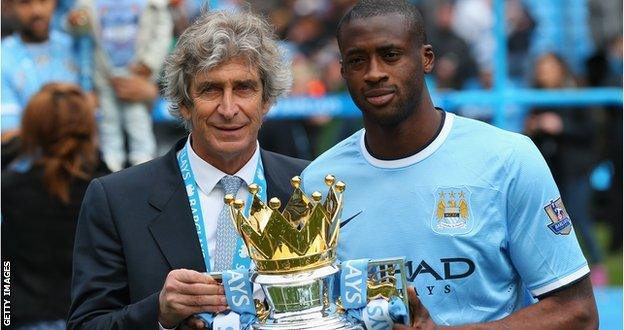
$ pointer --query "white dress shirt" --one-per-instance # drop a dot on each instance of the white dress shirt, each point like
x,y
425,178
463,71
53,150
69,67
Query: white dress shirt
x,y
211,195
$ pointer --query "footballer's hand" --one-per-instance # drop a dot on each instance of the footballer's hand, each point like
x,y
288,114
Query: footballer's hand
x,y
187,292
420,318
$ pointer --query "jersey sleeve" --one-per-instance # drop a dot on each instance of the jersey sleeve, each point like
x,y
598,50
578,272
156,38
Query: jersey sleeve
x,y
541,240
10,110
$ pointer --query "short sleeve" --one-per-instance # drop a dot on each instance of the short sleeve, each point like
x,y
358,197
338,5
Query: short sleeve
x,y
11,108
541,240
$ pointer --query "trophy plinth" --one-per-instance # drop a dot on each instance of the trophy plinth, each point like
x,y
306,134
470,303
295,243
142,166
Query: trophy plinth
x,y
294,252
301,300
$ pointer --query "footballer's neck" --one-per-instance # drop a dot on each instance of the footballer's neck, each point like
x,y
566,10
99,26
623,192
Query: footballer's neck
x,y
406,138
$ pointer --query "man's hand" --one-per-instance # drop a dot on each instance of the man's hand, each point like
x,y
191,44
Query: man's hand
x,y
193,323
187,292
420,318
134,88
9,135
141,70
92,100
551,123
78,18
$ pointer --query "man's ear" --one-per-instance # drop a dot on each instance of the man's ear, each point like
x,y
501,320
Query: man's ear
x,y
428,58
266,106
342,69
185,112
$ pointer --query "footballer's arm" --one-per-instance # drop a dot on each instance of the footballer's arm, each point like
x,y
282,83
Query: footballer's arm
x,y
572,307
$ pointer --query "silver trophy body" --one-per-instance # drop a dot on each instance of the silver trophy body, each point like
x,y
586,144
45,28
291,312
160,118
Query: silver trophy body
x,y
302,300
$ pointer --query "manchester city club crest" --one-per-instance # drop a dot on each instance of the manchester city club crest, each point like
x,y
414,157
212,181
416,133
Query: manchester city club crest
x,y
452,212
561,224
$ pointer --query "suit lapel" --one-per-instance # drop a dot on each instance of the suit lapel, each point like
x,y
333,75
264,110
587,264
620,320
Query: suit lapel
x,y
174,229
275,188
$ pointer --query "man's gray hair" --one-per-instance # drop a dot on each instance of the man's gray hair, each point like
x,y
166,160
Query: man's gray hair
x,y
216,37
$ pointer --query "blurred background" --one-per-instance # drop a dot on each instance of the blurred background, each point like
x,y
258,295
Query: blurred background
x,y
550,69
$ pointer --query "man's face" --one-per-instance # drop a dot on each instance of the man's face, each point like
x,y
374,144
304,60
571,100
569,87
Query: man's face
x,y
383,67
34,17
227,110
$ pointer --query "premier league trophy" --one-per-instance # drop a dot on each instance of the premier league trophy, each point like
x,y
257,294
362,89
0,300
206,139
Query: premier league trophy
x,y
294,252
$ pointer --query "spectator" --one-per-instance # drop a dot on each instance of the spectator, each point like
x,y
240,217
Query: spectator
x,y
520,27
605,69
132,39
289,137
32,57
565,137
473,20
183,12
554,31
307,32
454,62
605,20
41,196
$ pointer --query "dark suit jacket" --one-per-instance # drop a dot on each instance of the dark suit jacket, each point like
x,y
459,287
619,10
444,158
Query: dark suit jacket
x,y
135,226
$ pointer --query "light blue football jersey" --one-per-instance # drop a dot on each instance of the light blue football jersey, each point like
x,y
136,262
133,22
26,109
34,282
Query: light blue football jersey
x,y
476,214
27,67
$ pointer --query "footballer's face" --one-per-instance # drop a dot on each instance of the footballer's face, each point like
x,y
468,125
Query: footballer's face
x,y
384,67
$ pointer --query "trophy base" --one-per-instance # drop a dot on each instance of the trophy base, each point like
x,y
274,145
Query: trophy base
x,y
324,322
302,301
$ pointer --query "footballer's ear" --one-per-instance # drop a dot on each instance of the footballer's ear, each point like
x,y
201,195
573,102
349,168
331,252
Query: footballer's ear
x,y
428,58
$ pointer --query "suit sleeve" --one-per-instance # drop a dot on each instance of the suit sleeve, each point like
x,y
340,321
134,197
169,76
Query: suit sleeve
x,y
100,295
541,242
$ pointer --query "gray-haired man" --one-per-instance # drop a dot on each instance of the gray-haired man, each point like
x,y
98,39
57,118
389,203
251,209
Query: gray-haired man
x,y
146,234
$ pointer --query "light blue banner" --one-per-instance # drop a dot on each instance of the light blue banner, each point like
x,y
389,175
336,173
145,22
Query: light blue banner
x,y
353,276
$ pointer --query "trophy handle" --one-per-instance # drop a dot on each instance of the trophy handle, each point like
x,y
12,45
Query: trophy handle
x,y
382,281
217,276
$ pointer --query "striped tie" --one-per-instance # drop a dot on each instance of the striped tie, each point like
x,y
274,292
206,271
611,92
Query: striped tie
x,y
226,233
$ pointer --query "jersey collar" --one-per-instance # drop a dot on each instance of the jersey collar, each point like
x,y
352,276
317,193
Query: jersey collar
x,y
415,158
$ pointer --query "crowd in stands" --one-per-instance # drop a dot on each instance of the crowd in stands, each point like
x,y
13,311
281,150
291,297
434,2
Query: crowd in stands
x,y
104,58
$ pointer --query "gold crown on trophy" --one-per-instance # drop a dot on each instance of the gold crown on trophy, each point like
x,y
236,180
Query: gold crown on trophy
x,y
302,237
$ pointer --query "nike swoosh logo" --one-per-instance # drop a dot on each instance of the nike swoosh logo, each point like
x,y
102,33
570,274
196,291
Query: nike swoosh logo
x,y
343,223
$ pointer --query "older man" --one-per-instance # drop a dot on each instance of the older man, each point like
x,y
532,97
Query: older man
x,y
145,235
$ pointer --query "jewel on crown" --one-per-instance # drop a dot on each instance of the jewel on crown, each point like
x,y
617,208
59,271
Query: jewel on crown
x,y
302,237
